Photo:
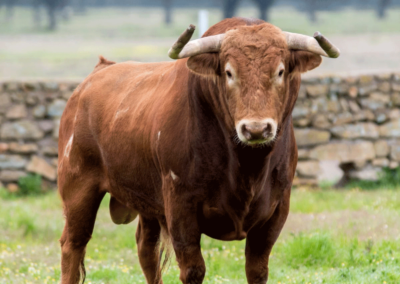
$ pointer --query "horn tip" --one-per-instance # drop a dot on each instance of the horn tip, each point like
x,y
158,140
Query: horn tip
x,y
191,28
336,54
317,35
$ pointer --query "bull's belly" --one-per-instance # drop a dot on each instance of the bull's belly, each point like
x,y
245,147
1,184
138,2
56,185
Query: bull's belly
x,y
131,187
219,225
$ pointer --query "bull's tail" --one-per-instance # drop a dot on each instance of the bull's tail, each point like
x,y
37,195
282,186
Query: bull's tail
x,y
82,270
165,253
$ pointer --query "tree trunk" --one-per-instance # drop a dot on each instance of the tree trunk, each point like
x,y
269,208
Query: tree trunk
x,y
37,19
382,6
312,10
264,6
52,17
168,11
229,8
9,10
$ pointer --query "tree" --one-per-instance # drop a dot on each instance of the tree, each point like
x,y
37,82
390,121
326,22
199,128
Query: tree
x,y
229,7
382,6
168,11
51,6
312,10
9,9
264,6
37,19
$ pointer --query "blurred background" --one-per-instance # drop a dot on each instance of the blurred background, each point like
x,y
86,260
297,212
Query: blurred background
x,y
62,38
344,221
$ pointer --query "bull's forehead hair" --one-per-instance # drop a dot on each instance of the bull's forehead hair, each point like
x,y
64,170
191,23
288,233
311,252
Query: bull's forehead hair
x,y
258,38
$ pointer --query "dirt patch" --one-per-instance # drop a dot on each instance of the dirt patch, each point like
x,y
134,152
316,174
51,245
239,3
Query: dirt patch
x,y
363,225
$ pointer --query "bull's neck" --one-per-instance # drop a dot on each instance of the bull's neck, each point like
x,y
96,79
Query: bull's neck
x,y
208,95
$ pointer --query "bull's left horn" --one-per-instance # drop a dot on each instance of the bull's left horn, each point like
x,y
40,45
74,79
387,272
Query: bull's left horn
x,y
183,48
317,44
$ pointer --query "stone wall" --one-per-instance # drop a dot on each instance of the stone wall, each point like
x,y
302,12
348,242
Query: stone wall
x,y
29,120
345,127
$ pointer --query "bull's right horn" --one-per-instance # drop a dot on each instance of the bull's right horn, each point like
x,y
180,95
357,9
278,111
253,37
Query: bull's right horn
x,y
182,48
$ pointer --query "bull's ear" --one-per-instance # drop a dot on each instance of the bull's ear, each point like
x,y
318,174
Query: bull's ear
x,y
206,64
303,61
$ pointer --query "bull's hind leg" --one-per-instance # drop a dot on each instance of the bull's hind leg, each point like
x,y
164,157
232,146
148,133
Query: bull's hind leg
x,y
147,239
81,202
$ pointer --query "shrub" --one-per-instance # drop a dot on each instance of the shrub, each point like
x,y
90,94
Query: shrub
x,y
30,185
388,179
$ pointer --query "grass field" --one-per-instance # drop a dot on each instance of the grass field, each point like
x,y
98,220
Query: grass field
x,y
347,236
123,34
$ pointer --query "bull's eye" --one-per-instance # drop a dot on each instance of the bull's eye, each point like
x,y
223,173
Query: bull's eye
x,y
281,73
229,74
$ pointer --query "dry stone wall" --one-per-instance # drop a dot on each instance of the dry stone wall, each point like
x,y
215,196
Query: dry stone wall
x,y
29,120
345,127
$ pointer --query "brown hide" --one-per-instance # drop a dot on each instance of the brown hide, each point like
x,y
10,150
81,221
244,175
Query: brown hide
x,y
161,140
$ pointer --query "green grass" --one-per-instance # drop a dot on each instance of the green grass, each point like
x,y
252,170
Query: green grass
x,y
336,250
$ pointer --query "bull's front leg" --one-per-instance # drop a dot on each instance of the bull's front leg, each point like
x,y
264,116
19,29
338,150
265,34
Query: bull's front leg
x,y
260,241
181,209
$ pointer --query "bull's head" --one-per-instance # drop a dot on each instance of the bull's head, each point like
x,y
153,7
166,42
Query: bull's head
x,y
255,66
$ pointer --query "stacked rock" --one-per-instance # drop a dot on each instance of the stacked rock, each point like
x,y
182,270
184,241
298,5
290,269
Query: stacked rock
x,y
344,126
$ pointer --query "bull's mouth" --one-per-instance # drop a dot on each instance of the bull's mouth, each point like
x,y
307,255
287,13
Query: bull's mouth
x,y
259,143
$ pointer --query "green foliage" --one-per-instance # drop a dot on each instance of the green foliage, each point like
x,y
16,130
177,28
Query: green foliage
x,y
30,185
388,179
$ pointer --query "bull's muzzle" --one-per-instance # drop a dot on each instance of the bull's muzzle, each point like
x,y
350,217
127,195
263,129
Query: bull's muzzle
x,y
254,132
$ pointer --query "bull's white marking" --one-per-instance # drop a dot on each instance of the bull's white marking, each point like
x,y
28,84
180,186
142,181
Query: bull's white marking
x,y
119,112
272,122
173,175
158,135
67,149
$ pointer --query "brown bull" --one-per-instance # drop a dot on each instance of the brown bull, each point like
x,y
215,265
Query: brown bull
x,y
203,145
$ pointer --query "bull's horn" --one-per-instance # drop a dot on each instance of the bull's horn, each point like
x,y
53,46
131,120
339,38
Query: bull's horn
x,y
182,48
181,42
317,44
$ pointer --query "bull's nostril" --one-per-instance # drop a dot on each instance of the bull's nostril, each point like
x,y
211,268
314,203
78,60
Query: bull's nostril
x,y
246,133
267,131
